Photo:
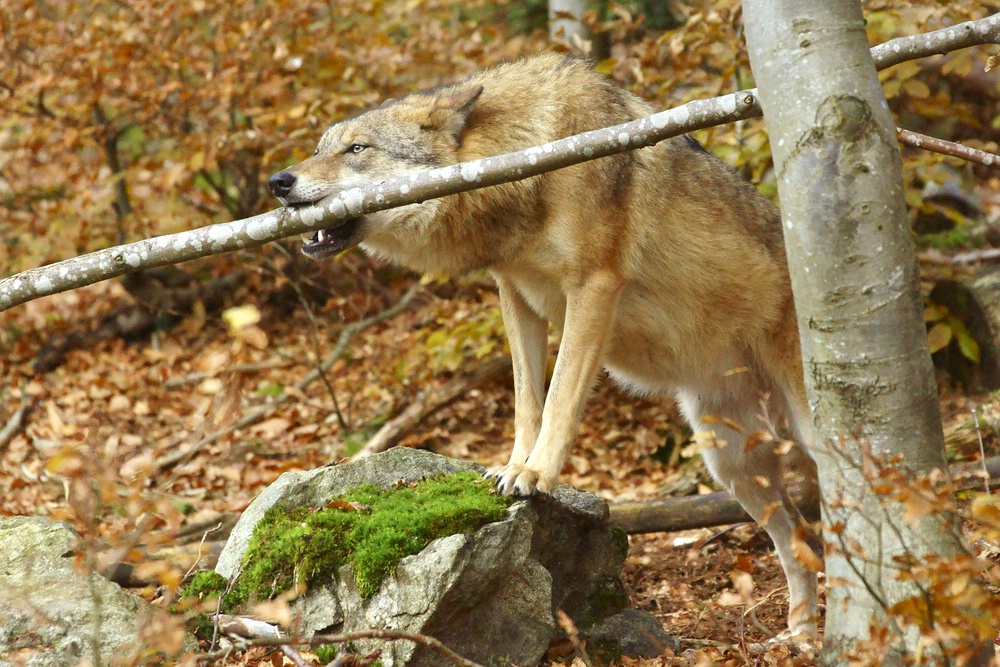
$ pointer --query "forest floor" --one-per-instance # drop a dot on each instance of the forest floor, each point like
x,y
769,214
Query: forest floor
x,y
97,445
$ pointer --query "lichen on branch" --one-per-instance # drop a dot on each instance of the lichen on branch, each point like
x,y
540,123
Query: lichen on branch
x,y
377,196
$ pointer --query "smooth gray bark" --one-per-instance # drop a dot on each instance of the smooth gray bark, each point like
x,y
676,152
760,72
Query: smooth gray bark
x,y
855,278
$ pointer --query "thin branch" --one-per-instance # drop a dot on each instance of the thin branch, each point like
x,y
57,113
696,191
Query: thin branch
x,y
937,42
263,411
421,186
109,142
717,509
917,140
985,255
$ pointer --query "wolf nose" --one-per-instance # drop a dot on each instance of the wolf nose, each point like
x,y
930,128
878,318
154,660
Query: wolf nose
x,y
281,183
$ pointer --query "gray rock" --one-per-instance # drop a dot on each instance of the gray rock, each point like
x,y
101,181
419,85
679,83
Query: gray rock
x,y
631,633
490,596
50,613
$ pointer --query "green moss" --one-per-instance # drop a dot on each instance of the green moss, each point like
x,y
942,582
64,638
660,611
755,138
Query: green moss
x,y
200,625
326,653
368,527
208,584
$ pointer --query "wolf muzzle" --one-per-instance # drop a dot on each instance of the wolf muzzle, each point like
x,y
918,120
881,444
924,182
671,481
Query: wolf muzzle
x,y
281,184
325,242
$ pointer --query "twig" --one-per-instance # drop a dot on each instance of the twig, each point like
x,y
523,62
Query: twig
x,y
951,148
247,627
971,257
223,522
14,425
259,413
201,545
316,640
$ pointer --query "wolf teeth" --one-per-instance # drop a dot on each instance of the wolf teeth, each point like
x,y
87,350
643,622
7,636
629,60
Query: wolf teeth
x,y
321,236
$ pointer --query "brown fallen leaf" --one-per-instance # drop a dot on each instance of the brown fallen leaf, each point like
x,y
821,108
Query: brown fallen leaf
x,y
347,505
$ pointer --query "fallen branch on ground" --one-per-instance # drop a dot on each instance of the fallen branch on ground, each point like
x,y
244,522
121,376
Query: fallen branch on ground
x,y
421,186
718,509
393,430
263,411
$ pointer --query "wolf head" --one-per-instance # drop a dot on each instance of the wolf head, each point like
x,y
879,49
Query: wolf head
x,y
419,132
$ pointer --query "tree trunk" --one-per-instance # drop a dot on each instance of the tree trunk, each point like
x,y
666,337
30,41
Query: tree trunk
x,y
854,274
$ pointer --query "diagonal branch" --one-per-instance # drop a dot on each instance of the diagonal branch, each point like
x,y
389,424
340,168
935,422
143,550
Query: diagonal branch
x,y
421,186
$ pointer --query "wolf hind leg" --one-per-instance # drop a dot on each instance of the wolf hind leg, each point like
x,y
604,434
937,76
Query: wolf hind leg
x,y
753,476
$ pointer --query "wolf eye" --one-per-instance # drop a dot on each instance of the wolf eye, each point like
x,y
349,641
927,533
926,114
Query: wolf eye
x,y
355,148
316,152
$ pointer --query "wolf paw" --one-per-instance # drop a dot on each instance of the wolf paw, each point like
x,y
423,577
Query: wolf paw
x,y
518,480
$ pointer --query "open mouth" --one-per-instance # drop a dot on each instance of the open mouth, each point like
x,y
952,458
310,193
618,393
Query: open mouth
x,y
332,241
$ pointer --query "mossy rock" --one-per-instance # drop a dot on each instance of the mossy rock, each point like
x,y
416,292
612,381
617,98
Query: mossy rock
x,y
316,488
368,527
401,541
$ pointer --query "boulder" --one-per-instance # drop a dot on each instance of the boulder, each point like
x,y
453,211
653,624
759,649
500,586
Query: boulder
x,y
53,615
490,596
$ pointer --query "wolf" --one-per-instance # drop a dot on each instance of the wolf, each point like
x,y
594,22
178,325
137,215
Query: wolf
x,y
659,265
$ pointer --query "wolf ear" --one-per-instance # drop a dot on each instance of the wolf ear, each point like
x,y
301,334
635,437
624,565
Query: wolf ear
x,y
450,109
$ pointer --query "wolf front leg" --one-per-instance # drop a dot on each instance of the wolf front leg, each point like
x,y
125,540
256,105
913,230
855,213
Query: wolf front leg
x,y
527,333
591,306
